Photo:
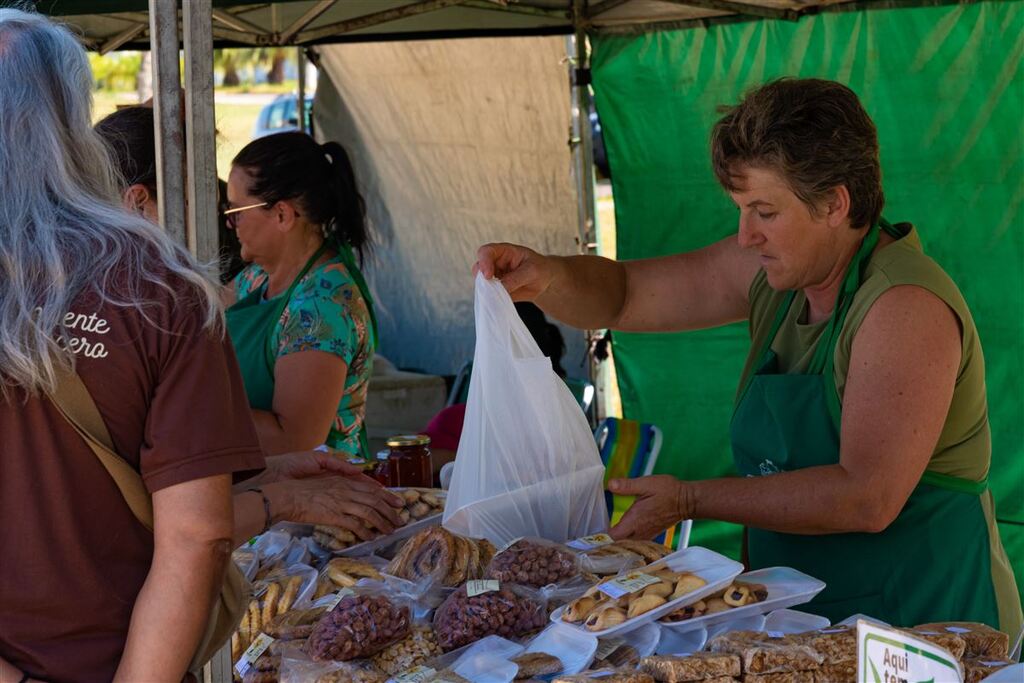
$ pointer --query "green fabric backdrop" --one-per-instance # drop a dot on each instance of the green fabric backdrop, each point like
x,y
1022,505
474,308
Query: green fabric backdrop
x,y
944,86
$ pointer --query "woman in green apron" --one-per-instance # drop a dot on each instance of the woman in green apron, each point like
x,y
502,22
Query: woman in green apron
x,y
860,428
302,319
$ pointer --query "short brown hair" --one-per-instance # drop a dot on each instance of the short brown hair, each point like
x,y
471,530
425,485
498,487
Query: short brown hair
x,y
815,133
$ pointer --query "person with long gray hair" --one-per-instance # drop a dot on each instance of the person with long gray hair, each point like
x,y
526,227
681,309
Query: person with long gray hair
x,y
87,592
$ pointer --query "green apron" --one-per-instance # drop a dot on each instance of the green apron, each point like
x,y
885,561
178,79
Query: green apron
x,y
931,564
251,325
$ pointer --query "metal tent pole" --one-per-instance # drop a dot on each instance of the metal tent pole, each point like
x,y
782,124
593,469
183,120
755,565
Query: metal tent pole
x,y
201,133
582,144
300,103
170,181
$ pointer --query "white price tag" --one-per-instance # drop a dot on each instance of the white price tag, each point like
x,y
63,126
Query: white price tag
x,y
417,674
957,629
627,584
249,657
776,634
591,542
356,461
338,597
607,646
475,588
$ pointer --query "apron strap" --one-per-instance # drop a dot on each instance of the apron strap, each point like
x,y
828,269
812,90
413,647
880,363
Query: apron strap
x,y
780,316
348,258
284,299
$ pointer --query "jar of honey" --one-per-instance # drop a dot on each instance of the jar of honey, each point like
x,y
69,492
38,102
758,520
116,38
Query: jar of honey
x,y
382,468
409,460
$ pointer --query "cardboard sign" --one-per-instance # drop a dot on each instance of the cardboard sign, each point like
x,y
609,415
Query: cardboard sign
x,y
885,655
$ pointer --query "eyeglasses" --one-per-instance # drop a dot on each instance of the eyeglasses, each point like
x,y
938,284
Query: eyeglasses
x,y
231,215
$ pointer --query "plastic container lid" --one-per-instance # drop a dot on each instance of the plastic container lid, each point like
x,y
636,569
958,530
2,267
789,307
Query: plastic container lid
x,y
718,570
754,622
575,649
681,642
786,587
405,440
793,621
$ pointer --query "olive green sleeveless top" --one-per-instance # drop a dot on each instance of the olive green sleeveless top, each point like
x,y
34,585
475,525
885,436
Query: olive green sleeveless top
x,y
964,447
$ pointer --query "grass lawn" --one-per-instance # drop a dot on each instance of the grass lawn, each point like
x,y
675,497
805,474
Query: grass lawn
x,y
235,123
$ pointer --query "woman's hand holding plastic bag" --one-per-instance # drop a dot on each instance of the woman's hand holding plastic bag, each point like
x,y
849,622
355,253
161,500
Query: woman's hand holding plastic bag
x,y
527,463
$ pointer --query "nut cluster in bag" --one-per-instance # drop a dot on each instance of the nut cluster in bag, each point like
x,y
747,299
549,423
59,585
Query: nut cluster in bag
x,y
437,553
485,608
359,626
533,563
420,646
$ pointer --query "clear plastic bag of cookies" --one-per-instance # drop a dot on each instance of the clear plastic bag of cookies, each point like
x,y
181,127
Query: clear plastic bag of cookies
x,y
444,557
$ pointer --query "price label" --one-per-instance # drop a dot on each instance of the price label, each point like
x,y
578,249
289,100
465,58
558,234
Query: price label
x,y
417,674
252,653
776,634
337,598
957,629
475,588
607,646
634,582
356,461
591,542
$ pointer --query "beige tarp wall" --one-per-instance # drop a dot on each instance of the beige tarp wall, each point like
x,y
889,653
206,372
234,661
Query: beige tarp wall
x,y
455,143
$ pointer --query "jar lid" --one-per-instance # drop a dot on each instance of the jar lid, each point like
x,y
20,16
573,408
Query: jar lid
x,y
408,440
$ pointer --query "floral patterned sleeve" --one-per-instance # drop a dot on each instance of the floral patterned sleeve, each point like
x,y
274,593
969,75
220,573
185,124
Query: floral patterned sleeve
x,y
325,313
244,281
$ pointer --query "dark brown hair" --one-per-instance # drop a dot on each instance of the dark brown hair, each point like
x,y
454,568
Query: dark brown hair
x,y
815,133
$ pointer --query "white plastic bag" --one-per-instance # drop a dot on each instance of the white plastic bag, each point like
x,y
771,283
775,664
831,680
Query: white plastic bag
x,y
527,463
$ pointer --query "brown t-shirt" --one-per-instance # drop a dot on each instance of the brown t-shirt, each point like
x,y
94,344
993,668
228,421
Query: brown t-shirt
x,y
73,556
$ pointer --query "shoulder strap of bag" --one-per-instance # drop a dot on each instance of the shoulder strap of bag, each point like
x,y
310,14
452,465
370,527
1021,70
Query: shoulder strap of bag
x,y
75,403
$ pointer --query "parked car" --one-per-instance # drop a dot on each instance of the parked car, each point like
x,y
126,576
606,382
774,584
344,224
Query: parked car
x,y
281,116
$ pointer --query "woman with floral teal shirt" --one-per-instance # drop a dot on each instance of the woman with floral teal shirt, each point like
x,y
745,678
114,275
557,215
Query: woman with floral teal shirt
x,y
302,319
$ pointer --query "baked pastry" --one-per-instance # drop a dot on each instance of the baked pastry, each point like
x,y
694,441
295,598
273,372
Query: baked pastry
x,y
951,642
783,677
981,640
438,553
620,676
979,668
649,550
837,644
696,667
843,672
345,572
536,664
761,653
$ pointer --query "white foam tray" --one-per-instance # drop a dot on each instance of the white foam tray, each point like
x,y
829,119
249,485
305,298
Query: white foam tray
x,y
717,570
786,587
